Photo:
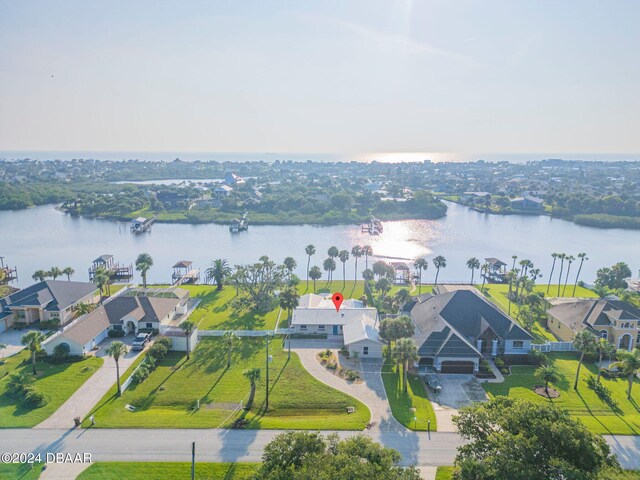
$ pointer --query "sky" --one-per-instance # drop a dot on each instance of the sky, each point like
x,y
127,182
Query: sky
x,y
320,76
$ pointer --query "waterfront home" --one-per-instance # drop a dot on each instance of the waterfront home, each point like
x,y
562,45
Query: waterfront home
x,y
50,300
455,330
233,179
528,203
222,191
354,325
614,320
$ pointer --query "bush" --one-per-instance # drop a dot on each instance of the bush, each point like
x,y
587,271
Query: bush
x,y
33,398
166,341
535,357
158,351
351,375
609,374
332,365
505,371
603,392
116,333
61,351
499,362
141,373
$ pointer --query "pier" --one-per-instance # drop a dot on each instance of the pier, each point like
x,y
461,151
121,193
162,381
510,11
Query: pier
x,y
374,227
141,224
183,273
117,272
239,224
10,273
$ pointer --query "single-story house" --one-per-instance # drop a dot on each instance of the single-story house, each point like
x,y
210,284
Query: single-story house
x,y
46,301
615,320
222,191
354,324
82,336
455,330
527,202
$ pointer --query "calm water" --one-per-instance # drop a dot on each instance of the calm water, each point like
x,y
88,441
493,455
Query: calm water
x,y
42,237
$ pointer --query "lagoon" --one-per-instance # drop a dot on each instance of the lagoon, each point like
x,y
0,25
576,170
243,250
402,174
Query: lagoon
x,y
43,237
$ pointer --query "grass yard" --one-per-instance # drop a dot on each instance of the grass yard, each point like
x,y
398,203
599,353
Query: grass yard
x,y
168,471
20,471
167,399
498,295
444,473
583,404
401,403
57,382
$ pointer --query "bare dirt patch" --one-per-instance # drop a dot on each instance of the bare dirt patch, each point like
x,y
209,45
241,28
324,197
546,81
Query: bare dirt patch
x,y
553,393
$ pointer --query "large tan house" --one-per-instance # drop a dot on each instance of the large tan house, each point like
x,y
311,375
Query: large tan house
x,y
615,320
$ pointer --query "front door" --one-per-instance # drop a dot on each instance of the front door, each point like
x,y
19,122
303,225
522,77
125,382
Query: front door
x,y
335,329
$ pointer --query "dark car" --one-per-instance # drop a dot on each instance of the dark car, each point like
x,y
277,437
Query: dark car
x,y
140,341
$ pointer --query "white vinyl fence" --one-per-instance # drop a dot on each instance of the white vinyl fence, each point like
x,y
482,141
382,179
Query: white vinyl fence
x,y
553,347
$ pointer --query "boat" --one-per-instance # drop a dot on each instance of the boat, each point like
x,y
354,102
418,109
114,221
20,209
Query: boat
x,y
374,227
239,224
141,224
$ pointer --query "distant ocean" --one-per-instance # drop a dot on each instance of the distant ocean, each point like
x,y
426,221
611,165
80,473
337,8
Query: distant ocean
x,y
388,157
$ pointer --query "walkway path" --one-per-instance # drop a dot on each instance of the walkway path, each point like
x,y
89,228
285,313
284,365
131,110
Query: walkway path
x,y
63,471
91,391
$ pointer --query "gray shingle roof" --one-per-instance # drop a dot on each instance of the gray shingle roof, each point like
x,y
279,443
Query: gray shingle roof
x,y
53,295
593,313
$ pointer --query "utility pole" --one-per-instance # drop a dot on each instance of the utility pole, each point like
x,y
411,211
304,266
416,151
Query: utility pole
x,y
267,382
193,460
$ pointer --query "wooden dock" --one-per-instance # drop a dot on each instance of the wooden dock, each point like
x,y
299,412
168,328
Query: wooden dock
x,y
10,273
184,274
239,224
141,224
374,227
117,272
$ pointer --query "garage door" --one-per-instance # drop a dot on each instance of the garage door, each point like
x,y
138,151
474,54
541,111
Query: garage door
x,y
457,367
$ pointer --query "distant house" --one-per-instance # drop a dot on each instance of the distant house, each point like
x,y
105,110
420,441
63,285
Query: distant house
x,y
355,325
222,191
233,179
46,301
527,203
454,331
614,320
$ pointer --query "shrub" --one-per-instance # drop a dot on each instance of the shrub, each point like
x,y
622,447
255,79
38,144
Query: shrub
x,y
141,373
166,341
18,384
535,357
61,351
116,333
603,392
158,351
608,374
33,398
351,375
332,365
499,362
505,371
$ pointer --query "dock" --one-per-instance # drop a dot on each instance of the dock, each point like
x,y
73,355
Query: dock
x,y
183,273
141,224
117,272
10,273
239,224
374,227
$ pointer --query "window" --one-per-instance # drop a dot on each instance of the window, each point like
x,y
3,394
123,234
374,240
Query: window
x,y
365,350
518,344
116,327
303,327
321,328
604,334
149,325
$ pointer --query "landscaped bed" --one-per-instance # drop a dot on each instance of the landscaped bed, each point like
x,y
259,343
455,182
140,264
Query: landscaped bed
x,y
332,363
584,404
168,398
56,382
167,471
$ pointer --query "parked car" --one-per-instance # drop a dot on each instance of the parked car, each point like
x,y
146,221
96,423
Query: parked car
x,y
140,341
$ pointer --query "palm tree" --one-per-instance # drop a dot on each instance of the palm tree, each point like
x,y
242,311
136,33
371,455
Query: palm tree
x,y
356,253
84,308
253,375
402,296
483,271
629,363
68,271
343,255
218,271
187,327
570,259
604,348
510,277
329,266
290,264
367,251
54,273
333,252
143,263
404,351
561,256
439,262
420,264
472,264
514,258
289,299
102,278
548,374
116,350
310,250
39,275
553,265
315,273
33,341
585,343
582,257
229,339
383,286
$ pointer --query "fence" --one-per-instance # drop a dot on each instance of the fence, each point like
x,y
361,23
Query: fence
x,y
553,347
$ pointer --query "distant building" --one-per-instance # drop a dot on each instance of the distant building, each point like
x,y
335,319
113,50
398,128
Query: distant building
x,y
527,203
232,179
222,191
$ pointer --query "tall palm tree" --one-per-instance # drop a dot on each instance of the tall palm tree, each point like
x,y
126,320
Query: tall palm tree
x,y
570,259
582,257
187,327
102,278
484,270
289,265
310,250
289,300
548,374
333,252
604,349
585,343
343,255
356,253
510,277
33,341
404,351
54,273
39,275
253,375
116,350
561,256
218,271
68,271
143,263
553,265
383,286
439,262
514,258
329,266
316,274
629,363
472,264
229,339
367,251
420,264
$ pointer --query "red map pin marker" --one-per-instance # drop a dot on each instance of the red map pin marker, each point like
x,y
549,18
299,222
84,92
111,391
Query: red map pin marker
x,y
337,300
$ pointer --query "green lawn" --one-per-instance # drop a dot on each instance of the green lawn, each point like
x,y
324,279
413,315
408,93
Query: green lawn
x,y
497,293
167,398
168,471
401,403
58,382
444,473
20,471
583,404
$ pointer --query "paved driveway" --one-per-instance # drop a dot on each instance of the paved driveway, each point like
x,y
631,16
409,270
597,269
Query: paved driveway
x,y
90,393
12,339
457,391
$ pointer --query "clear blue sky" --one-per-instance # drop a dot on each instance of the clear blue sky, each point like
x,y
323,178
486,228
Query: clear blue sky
x,y
322,76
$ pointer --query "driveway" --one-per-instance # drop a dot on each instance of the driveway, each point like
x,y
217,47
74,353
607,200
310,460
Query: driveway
x,y
12,339
457,391
90,393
